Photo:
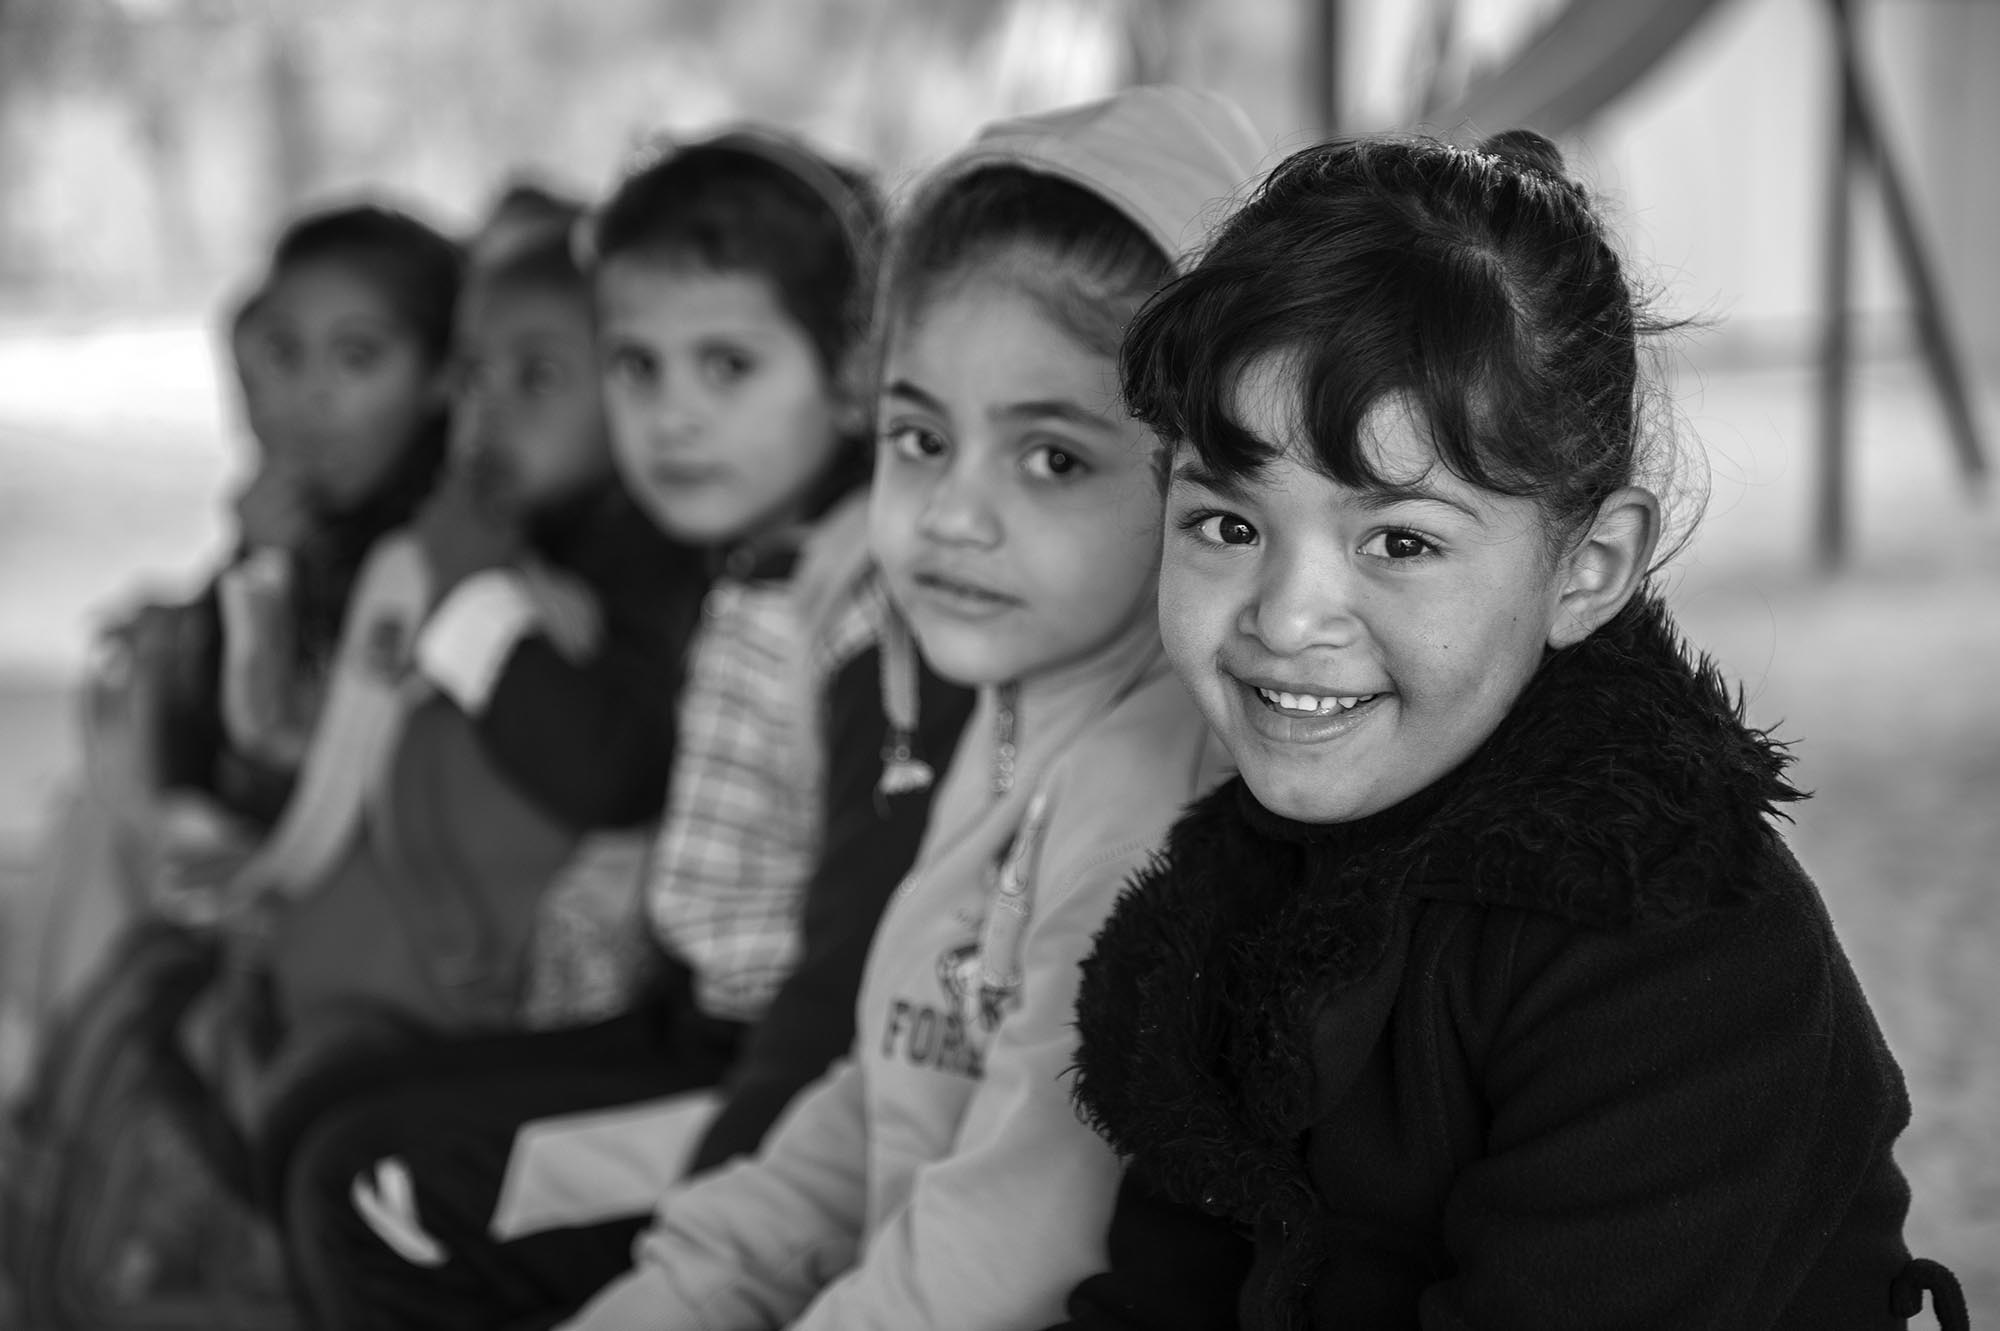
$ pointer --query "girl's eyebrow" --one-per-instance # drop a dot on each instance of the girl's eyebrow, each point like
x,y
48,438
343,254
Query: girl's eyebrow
x,y
1389,494
1052,409
348,325
1191,470
903,388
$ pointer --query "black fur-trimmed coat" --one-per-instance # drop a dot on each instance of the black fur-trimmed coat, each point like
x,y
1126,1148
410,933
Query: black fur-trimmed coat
x,y
1565,1041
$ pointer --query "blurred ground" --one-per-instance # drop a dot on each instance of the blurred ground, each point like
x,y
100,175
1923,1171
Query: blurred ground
x,y
114,454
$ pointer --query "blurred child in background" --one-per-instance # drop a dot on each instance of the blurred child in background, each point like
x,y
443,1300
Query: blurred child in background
x,y
344,372
197,717
506,685
196,712
733,279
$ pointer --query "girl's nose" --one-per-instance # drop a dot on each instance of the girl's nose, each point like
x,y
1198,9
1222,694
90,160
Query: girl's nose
x,y
471,422
322,388
958,510
1303,600
677,421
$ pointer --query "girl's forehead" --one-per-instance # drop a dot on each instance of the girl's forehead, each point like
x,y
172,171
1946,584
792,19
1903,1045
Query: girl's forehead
x,y
524,301
638,287
326,290
964,323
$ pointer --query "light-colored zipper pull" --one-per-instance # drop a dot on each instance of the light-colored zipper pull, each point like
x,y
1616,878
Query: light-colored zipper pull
x,y
1013,903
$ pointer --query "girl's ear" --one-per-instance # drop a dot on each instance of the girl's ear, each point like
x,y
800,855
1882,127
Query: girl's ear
x,y
1603,571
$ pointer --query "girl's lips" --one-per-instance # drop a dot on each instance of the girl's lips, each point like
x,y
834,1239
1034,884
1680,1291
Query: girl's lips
x,y
1290,717
955,596
684,473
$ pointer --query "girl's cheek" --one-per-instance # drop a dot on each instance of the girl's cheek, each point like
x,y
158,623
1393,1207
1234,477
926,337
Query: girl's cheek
x,y
900,507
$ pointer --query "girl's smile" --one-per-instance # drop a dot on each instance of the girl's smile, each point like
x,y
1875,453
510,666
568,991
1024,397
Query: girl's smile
x,y
1320,704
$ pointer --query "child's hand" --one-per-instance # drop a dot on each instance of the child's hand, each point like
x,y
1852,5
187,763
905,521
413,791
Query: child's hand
x,y
463,531
198,850
275,509
120,710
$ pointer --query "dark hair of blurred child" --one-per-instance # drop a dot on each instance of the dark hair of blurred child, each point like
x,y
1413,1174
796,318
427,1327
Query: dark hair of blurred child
x,y
523,208
733,281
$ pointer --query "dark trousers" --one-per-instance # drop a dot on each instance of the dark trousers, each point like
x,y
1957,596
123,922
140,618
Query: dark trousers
x,y
451,1126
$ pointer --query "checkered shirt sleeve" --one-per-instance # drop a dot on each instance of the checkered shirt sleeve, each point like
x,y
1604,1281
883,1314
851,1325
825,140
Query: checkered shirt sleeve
x,y
742,831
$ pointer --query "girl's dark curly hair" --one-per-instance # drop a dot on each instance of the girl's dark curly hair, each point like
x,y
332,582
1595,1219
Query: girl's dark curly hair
x,y
1476,286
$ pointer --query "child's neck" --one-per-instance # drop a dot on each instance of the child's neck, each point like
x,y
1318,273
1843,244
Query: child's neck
x,y
1027,707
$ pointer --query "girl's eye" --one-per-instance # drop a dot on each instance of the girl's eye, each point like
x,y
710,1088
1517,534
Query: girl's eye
x,y
541,377
725,366
1223,529
357,356
1398,544
634,367
1050,463
914,443
282,352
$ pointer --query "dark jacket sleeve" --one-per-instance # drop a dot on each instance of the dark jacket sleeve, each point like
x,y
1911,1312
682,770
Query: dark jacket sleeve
x,y
193,748
189,678
592,743
870,843
1168,1268
1689,1125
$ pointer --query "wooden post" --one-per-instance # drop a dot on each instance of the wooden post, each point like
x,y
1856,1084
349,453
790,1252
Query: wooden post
x,y
1861,140
1323,74
1830,524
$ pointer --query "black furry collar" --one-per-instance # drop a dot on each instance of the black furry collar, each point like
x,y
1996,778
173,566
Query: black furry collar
x,y
1624,790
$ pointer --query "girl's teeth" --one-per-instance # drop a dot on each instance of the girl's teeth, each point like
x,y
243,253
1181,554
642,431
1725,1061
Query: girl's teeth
x,y
1306,702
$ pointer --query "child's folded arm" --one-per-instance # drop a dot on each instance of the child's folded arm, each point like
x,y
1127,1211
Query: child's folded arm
x,y
590,740
467,640
748,1246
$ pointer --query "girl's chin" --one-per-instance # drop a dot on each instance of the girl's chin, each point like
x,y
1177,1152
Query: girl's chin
x,y
970,660
1298,796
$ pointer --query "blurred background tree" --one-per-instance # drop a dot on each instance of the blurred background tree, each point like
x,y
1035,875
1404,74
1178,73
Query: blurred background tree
x,y
148,147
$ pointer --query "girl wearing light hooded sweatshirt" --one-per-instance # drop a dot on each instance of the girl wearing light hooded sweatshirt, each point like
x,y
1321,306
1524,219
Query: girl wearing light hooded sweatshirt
x,y
939,1175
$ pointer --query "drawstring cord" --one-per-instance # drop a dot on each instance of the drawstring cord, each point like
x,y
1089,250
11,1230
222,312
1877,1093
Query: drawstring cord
x,y
902,769
1906,1294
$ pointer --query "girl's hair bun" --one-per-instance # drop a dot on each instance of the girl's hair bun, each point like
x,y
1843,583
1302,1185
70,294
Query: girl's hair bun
x,y
1524,147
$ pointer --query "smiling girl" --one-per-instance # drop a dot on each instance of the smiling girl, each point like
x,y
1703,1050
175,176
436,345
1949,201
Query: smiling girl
x,y
1488,996
939,1177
